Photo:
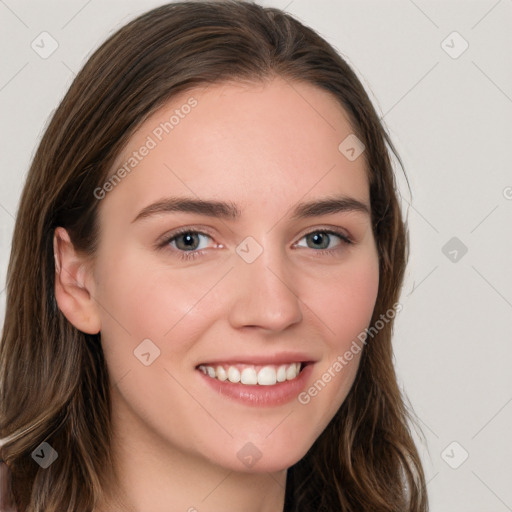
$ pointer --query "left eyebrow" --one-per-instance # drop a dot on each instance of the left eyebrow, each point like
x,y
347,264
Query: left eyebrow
x,y
229,210
329,206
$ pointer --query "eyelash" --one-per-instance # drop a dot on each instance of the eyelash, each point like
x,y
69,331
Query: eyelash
x,y
190,255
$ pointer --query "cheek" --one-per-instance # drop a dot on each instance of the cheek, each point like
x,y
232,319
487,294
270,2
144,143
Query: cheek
x,y
145,298
346,301
356,304
344,305
140,300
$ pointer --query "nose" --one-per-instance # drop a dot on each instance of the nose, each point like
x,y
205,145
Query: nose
x,y
265,295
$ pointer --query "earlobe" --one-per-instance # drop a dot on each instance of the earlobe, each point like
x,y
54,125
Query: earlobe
x,y
73,285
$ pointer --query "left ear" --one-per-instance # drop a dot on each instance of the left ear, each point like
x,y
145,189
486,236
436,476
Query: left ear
x,y
73,285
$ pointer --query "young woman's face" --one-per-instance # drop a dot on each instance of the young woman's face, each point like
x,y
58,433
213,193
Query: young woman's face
x,y
217,262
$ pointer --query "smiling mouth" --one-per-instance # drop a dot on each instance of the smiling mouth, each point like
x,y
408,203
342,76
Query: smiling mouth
x,y
250,375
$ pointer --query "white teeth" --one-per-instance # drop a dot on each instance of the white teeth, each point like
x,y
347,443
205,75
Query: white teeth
x,y
266,376
281,373
290,372
249,376
221,373
233,374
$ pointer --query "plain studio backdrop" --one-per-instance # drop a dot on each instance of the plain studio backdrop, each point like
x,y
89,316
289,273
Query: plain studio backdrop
x,y
440,75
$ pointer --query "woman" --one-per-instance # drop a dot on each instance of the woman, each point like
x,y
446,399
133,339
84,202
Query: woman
x,y
220,254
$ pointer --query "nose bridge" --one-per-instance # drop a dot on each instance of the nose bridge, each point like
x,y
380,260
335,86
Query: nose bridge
x,y
265,293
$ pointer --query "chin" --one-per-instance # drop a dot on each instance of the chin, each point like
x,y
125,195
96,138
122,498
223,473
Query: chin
x,y
269,459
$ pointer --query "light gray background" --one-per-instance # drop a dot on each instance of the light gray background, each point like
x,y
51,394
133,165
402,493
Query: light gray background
x,y
451,121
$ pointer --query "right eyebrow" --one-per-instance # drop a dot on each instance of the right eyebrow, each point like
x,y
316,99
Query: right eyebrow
x,y
210,208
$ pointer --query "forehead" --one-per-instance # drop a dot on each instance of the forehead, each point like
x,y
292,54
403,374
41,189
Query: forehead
x,y
240,141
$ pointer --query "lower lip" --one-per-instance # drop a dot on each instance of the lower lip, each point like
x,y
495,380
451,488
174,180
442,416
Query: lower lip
x,y
262,396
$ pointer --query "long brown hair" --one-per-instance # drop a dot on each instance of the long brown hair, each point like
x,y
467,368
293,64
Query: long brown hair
x,y
53,378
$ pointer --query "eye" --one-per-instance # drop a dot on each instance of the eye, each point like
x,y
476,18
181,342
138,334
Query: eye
x,y
188,241
325,240
186,244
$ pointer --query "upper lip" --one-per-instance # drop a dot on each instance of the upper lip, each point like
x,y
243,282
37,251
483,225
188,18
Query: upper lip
x,y
275,359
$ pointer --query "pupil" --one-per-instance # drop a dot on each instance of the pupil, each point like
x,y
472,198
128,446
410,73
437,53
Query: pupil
x,y
318,238
188,239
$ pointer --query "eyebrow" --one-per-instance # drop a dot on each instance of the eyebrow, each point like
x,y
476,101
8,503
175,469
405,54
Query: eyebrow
x,y
230,211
